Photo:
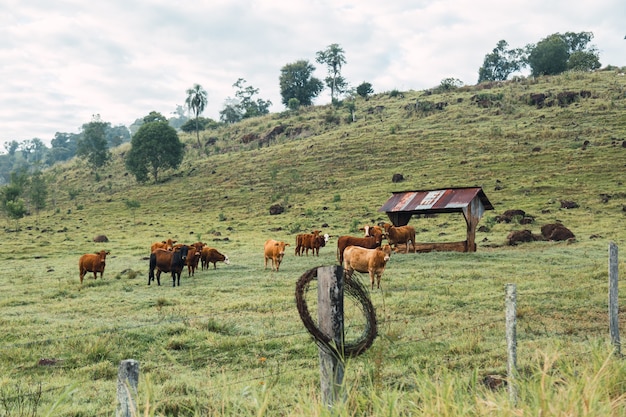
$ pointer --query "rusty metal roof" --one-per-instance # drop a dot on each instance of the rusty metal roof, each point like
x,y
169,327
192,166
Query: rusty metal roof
x,y
435,201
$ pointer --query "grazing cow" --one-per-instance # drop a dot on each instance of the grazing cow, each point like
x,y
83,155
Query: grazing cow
x,y
212,255
274,251
92,262
168,261
400,234
313,241
193,258
165,244
343,242
372,261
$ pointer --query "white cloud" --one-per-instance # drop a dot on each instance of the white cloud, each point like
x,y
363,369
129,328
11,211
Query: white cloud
x,y
63,61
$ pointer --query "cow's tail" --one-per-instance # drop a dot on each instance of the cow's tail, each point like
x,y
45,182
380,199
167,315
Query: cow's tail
x,y
152,266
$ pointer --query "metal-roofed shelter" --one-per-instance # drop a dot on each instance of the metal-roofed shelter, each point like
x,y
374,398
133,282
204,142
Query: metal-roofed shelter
x,y
470,201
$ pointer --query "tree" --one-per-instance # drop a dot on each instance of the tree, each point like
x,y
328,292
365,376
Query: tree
x,y
93,143
196,102
203,124
154,147
296,82
560,52
231,113
365,90
500,63
334,58
117,135
38,191
63,147
132,205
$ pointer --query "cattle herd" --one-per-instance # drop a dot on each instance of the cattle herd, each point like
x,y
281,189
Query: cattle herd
x,y
365,254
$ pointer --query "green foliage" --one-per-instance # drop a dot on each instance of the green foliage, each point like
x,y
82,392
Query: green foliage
x,y
296,81
38,191
448,84
293,104
500,63
132,205
243,106
92,144
334,58
560,52
365,90
154,147
202,123
196,102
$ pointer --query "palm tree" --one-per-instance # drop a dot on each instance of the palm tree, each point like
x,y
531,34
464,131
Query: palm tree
x,y
196,102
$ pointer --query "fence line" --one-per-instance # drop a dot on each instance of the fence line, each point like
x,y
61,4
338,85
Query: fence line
x,y
612,295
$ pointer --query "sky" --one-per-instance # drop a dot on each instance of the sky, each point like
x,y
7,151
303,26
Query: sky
x,y
64,61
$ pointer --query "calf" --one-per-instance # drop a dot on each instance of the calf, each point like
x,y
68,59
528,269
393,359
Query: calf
x,y
212,255
400,234
167,261
343,242
364,260
274,250
92,262
193,258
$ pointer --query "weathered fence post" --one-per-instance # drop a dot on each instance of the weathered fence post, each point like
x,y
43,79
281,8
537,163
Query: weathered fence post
x,y
613,298
330,317
511,339
127,381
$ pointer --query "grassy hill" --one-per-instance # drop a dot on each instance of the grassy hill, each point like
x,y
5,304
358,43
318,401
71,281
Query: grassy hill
x,y
230,342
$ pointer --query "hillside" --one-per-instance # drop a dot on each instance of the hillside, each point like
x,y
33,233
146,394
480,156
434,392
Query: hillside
x,y
229,342
325,170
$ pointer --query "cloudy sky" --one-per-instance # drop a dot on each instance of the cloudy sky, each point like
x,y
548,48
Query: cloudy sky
x,y
63,61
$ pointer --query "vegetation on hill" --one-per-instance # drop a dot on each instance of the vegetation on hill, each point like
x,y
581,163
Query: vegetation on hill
x,y
229,341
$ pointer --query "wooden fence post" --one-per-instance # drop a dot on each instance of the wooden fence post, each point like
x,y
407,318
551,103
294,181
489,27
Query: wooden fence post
x,y
127,381
613,298
330,318
511,339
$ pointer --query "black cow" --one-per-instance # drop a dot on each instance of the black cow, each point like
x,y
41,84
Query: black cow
x,y
168,261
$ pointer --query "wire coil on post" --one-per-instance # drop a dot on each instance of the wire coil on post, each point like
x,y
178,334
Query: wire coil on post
x,y
353,289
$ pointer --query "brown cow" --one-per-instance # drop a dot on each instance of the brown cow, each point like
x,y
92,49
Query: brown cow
x,y
164,244
313,241
400,234
343,242
92,262
193,258
212,255
372,231
167,261
274,250
372,261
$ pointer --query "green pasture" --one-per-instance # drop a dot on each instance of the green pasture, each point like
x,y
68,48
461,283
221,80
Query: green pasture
x,y
230,341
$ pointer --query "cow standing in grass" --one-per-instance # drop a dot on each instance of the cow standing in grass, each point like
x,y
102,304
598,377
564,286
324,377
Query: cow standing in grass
x,y
400,235
371,261
167,261
274,250
92,262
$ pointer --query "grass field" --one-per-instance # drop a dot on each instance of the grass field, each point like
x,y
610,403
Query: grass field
x,y
230,341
